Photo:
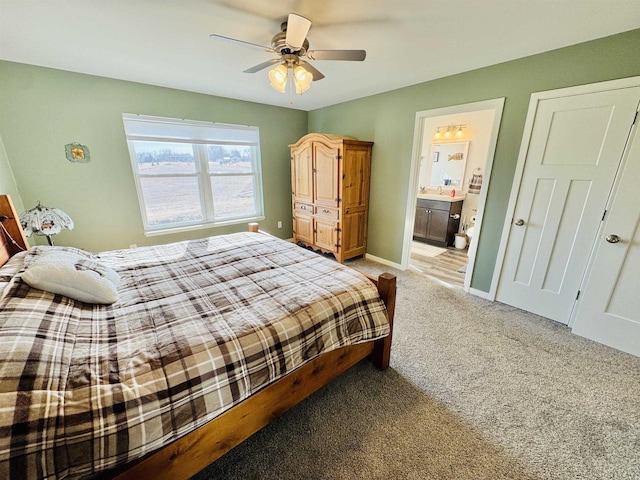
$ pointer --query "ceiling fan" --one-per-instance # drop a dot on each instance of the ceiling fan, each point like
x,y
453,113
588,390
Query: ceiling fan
x,y
291,46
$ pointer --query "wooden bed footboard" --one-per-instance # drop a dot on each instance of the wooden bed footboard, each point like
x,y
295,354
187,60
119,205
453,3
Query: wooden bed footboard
x,y
386,284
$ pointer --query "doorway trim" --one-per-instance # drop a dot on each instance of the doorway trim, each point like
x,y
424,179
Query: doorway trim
x,y
536,97
497,105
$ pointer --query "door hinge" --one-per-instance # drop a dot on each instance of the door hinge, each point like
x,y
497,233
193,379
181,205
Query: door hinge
x,y
337,245
603,215
313,170
315,231
578,295
338,200
338,157
337,229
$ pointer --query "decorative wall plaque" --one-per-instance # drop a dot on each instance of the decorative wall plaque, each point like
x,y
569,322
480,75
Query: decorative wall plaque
x,y
77,153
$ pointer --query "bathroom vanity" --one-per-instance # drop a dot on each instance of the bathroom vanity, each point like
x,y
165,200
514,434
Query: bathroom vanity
x,y
437,219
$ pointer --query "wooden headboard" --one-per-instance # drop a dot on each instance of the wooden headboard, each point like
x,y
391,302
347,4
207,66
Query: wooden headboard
x,y
10,228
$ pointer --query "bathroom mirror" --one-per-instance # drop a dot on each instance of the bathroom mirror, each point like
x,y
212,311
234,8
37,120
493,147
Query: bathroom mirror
x,y
447,162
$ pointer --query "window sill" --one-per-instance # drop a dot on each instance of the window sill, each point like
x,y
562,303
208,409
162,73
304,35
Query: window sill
x,y
200,226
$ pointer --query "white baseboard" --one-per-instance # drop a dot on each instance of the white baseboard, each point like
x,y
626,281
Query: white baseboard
x,y
481,294
383,261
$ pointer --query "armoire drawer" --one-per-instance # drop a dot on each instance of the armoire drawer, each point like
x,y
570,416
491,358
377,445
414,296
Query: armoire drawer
x,y
327,212
303,208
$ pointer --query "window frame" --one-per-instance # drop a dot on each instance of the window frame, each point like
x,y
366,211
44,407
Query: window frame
x,y
202,173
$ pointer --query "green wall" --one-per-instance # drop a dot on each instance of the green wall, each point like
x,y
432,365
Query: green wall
x,y
388,120
43,109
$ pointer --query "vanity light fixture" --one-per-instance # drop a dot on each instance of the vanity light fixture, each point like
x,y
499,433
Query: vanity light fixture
x,y
449,132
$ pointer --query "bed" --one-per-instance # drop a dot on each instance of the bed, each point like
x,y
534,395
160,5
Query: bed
x,y
208,341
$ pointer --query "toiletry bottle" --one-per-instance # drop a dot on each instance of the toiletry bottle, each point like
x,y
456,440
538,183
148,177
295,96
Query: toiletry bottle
x,y
453,192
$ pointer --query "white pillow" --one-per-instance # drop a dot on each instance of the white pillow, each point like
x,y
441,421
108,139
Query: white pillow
x,y
73,276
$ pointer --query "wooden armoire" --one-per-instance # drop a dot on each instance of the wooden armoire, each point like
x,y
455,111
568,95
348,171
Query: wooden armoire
x,y
330,193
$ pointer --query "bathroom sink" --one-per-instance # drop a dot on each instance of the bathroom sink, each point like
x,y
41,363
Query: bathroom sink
x,y
442,197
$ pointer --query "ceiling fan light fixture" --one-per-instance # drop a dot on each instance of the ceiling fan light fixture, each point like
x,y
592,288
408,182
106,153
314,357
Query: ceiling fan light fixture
x,y
302,79
278,78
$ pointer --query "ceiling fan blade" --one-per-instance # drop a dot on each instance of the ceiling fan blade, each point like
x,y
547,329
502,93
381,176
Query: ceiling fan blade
x,y
262,65
235,40
349,55
297,29
313,70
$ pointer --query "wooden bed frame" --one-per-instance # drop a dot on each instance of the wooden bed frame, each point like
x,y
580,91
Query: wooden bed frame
x,y
188,455
10,225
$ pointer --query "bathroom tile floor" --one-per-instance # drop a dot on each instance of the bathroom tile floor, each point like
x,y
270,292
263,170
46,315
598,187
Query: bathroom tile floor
x,y
443,267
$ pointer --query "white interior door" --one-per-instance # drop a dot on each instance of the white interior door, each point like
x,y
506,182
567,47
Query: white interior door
x,y
574,150
609,308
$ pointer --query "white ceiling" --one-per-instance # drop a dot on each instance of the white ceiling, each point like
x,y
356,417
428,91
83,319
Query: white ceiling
x,y
164,42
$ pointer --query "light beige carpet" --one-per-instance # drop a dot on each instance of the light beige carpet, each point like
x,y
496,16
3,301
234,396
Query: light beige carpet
x,y
476,390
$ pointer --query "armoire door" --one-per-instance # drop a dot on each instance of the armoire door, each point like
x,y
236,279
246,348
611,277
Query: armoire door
x,y
326,175
574,151
607,310
326,234
303,228
302,174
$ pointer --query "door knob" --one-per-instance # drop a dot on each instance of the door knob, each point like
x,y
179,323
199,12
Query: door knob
x,y
612,238
519,222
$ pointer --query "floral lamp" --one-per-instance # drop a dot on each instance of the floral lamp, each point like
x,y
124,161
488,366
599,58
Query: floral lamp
x,y
45,221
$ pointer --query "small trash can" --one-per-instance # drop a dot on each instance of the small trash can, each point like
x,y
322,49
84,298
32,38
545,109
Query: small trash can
x,y
460,241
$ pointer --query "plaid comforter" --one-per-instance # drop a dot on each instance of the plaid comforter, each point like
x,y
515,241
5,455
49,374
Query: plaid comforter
x,y
198,327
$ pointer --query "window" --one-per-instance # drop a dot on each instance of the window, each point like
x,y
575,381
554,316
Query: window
x,y
191,174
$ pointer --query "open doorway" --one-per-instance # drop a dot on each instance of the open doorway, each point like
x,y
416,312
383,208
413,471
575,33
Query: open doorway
x,y
451,166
